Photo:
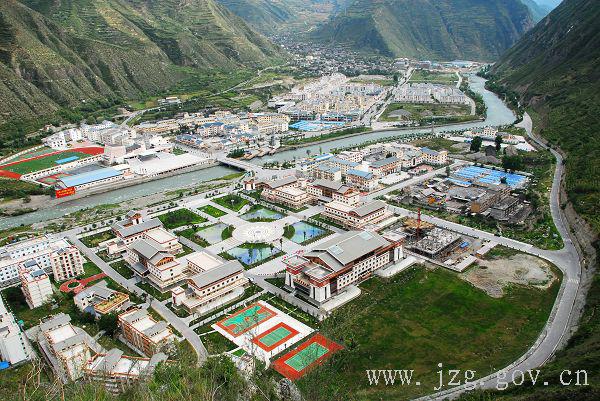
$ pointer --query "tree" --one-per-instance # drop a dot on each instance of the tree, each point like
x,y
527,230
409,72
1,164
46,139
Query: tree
x,y
476,144
396,78
512,162
108,323
498,141
447,171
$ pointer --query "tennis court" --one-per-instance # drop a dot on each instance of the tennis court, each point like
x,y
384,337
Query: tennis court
x,y
299,361
246,319
275,336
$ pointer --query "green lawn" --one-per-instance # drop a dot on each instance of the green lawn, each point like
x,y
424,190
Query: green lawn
x,y
90,269
190,233
319,217
216,343
42,163
434,77
123,269
212,211
186,251
421,318
180,217
232,202
154,292
92,241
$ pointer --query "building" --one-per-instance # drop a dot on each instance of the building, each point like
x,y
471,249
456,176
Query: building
x,y
129,230
285,191
35,284
66,348
212,285
434,157
438,243
151,260
347,210
144,333
330,173
385,166
343,165
90,179
323,190
14,346
38,250
66,263
335,264
362,180
117,372
100,300
165,239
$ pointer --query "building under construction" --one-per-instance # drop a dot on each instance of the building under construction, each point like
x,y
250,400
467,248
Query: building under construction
x,y
436,243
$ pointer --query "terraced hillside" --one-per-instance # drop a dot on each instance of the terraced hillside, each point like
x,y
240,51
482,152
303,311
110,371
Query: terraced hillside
x,y
56,54
272,16
467,29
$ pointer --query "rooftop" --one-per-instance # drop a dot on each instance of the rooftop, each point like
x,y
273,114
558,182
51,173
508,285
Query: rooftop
x,y
89,177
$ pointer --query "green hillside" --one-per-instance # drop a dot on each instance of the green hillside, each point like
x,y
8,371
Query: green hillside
x,y
69,54
273,16
554,68
466,29
537,11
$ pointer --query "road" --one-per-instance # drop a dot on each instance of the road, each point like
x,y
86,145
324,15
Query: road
x,y
566,259
162,310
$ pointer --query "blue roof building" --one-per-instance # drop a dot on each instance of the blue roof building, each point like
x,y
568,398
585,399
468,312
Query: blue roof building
x,y
89,177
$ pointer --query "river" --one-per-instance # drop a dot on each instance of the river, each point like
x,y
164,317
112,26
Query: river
x,y
497,114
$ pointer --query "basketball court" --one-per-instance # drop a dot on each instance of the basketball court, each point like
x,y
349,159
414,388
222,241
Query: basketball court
x,y
301,360
262,330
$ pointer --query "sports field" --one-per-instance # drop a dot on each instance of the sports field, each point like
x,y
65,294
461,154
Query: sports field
x,y
299,361
246,319
275,336
43,161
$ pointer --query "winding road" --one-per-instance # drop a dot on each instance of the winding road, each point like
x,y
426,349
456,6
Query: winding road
x,y
567,260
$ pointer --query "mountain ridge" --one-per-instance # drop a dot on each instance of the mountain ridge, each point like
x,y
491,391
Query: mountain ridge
x,y
67,53
467,29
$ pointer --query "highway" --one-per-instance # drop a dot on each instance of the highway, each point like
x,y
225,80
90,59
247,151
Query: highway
x,y
567,260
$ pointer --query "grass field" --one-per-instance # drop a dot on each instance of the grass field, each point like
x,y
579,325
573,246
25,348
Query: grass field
x,y
416,112
212,211
433,77
92,241
232,202
180,217
418,319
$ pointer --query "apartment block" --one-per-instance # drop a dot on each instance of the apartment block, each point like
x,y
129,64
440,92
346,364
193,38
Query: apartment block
x,y
66,263
145,333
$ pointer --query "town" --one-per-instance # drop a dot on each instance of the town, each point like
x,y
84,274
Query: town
x,y
255,268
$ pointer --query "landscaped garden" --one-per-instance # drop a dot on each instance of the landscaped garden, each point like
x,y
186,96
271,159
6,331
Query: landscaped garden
x,y
92,241
153,292
233,202
122,268
180,217
302,232
212,211
251,255
259,213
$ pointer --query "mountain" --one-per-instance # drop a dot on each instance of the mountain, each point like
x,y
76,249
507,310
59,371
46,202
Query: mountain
x,y
273,16
538,11
554,68
442,30
60,53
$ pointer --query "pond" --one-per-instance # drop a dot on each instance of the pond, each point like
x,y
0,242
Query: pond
x,y
304,231
250,256
212,234
263,214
